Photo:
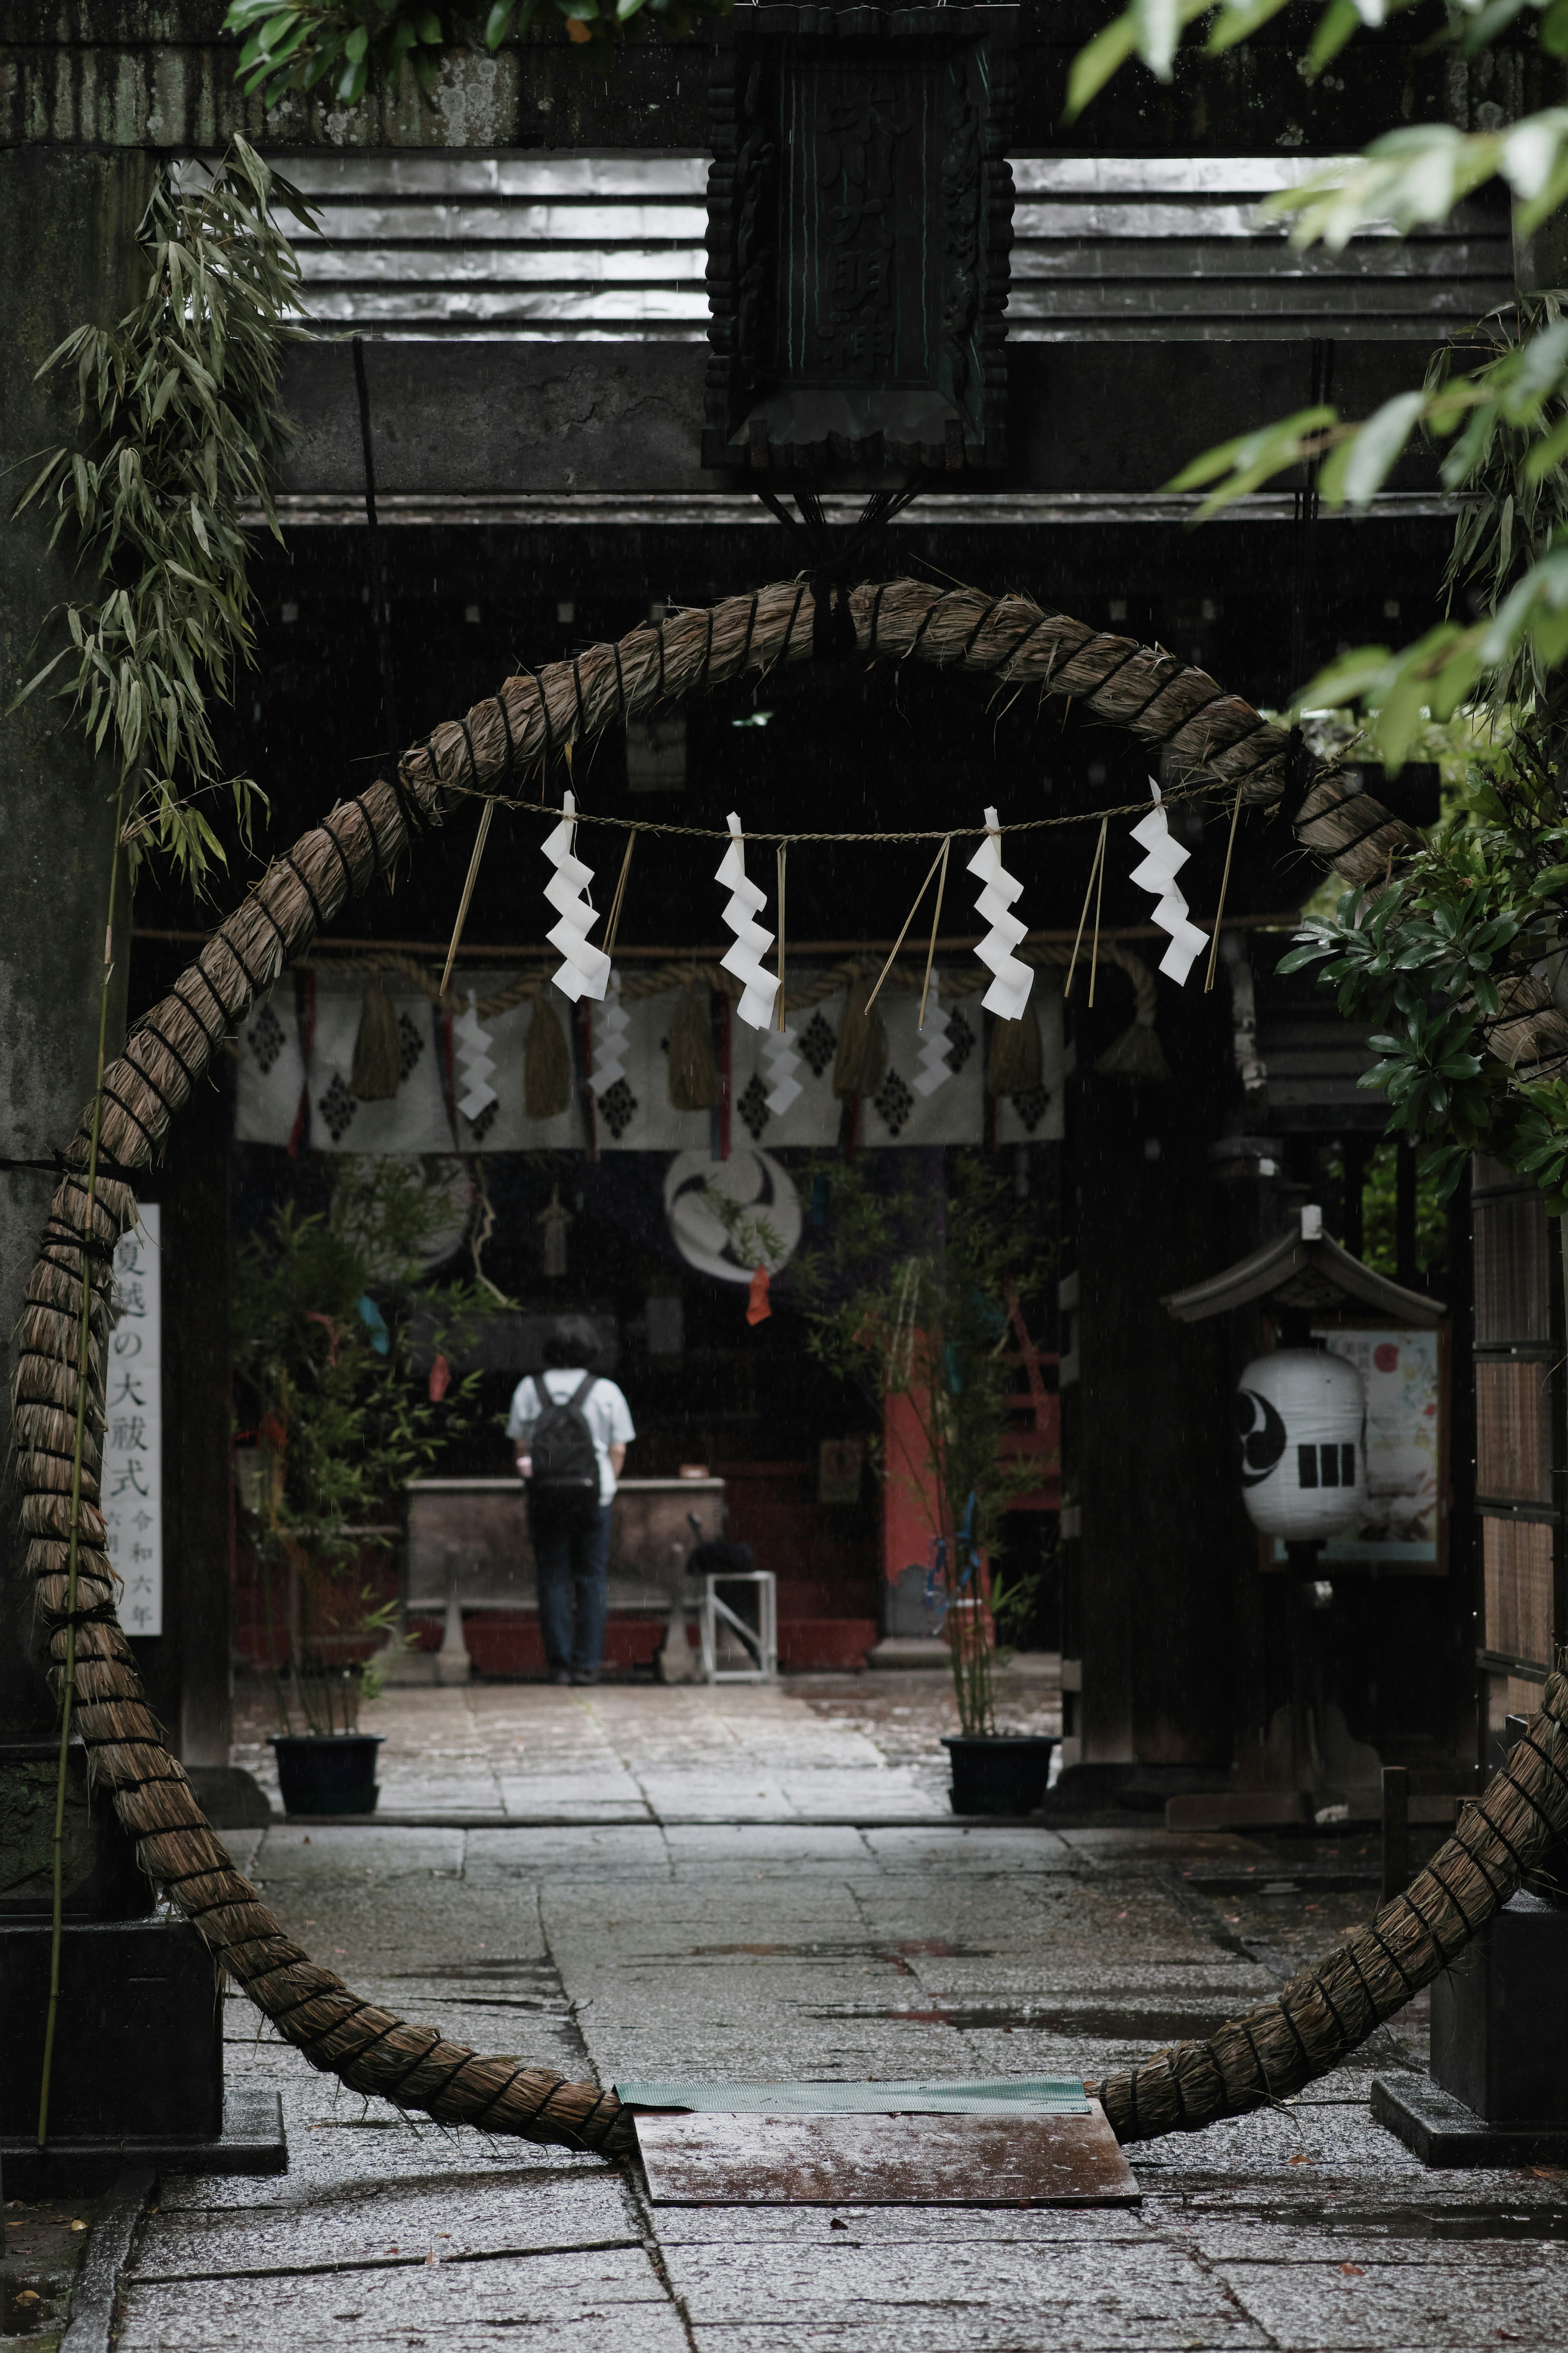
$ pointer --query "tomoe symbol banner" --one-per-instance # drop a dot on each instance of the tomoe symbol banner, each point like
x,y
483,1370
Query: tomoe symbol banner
x,y
1261,1434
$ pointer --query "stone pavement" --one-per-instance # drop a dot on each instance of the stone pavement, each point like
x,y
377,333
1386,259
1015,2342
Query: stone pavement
x,y
861,1746
761,1882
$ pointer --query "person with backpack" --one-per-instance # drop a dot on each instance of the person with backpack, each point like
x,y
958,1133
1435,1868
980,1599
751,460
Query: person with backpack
x,y
571,1428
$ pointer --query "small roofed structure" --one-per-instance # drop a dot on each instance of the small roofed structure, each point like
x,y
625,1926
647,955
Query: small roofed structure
x,y
1305,1272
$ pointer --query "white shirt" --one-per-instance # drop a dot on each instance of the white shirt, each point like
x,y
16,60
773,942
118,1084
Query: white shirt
x,y
605,1410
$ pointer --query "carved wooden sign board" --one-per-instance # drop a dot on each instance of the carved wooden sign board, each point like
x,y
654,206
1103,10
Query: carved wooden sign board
x,y
859,219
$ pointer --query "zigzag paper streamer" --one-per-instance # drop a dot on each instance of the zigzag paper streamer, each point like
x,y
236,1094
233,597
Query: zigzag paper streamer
x,y
1158,873
744,957
1009,991
780,1063
610,1031
930,1064
474,1062
586,969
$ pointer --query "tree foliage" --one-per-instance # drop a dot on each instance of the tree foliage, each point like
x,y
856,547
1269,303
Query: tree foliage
x,y
347,44
1434,953
177,403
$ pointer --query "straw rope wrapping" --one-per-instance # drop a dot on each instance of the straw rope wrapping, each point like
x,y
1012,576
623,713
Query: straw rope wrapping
x,y
1208,735
1326,2010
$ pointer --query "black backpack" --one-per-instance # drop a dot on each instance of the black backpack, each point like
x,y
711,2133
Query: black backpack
x,y
565,1464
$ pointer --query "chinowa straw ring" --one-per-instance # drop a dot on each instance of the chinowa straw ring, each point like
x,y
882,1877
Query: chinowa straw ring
x,y
1210,737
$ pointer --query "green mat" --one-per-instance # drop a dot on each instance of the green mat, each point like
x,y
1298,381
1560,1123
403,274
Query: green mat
x,y
1010,2095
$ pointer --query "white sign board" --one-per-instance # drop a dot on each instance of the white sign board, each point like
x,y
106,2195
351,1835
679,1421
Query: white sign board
x,y
134,1429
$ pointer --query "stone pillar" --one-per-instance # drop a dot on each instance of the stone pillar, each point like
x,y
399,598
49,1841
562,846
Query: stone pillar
x,y
69,256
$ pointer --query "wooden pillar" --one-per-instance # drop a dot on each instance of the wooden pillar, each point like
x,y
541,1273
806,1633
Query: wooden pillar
x,y
186,1668
70,257
1521,1444
1148,1442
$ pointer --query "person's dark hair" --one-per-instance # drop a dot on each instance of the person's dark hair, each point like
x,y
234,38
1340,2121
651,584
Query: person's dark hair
x,y
565,1348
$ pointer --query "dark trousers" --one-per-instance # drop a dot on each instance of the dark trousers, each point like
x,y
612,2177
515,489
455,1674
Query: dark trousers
x,y
572,1554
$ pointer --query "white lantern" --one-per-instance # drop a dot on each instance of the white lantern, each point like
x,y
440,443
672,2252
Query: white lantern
x,y
1300,1416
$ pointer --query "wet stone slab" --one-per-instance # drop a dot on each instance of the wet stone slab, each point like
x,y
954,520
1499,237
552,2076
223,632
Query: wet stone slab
x,y
1347,2303
506,2208
943,2292
782,1947
534,2299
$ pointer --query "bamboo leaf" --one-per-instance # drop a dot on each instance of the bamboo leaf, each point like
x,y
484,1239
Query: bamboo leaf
x,y
181,396
1356,471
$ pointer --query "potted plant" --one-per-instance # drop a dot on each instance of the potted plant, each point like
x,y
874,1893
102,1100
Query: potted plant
x,y
916,1299
328,1311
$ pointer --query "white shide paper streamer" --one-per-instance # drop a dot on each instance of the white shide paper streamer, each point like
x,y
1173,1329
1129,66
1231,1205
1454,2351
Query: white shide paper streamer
x,y
780,1063
610,1031
474,1062
1009,991
745,957
586,969
930,1064
1163,859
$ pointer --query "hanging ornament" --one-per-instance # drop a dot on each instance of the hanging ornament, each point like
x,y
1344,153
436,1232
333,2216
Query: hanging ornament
x,y
861,1063
1301,1418
757,1308
1015,1056
474,1062
1157,873
546,1063
586,969
780,1063
555,1220
1009,991
378,1048
745,957
610,1031
932,1069
693,1073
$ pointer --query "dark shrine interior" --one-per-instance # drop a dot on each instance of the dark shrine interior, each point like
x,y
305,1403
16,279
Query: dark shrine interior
x,y
858,744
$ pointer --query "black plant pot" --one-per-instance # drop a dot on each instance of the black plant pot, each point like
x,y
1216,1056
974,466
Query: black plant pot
x,y
999,1772
328,1772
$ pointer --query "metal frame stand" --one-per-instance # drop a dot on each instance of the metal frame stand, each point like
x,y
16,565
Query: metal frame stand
x,y
761,1641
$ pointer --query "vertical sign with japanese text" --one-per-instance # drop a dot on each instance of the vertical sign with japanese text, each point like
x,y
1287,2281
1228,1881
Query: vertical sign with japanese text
x,y
134,1429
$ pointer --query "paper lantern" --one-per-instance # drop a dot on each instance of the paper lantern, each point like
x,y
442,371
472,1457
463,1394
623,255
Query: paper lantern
x,y
1300,1416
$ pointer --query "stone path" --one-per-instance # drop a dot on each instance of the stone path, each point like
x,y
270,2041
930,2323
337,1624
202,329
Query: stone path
x,y
788,1946
865,1747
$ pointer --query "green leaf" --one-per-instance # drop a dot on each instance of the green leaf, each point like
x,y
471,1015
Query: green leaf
x,y
1237,21
1336,25
1344,680
1239,466
1095,63
1357,469
1159,28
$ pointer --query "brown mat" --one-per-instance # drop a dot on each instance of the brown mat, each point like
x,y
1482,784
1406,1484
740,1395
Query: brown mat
x,y
860,2161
